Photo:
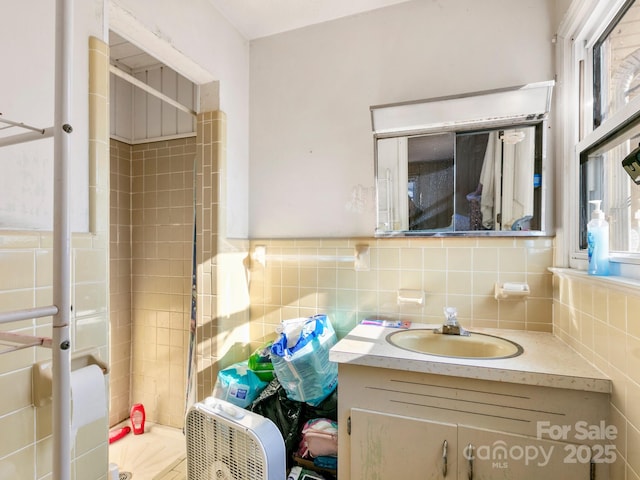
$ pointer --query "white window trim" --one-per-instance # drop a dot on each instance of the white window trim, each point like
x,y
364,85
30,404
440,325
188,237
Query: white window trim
x,y
580,29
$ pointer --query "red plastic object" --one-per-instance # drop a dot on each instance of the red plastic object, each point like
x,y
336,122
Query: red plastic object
x,y
115,435
137,418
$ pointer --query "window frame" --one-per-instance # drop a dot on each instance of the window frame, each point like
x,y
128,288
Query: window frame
x,y
584,25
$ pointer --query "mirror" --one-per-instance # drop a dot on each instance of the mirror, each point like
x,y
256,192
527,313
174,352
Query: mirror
x,y
477,181
470,179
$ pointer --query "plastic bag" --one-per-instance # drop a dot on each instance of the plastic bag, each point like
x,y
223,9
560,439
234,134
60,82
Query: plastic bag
x,y
238,384
290,415
260,362
319,438
274,404
300,358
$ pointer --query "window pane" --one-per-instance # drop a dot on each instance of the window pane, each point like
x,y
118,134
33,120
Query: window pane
x,y
602,177
616,65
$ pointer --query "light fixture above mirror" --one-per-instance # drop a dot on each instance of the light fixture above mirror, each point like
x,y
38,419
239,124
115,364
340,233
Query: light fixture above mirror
x,y
506,106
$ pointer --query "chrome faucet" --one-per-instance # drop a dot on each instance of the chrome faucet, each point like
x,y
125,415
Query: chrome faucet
x,y
451,325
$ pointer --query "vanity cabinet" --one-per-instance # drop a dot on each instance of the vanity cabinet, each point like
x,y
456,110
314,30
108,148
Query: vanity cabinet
x,y
410,425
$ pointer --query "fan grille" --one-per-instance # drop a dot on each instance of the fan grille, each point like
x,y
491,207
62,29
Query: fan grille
x,y
219,450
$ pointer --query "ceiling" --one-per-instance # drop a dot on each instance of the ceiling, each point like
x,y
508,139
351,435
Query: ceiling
x,y
260,18
127,55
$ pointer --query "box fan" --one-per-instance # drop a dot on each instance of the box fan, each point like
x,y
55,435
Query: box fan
x,y
226,442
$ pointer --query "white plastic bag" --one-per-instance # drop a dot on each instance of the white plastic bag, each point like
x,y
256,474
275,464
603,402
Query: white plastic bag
x,y
300,358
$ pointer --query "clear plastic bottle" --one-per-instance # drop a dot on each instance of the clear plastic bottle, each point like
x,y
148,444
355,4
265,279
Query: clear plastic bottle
x,y
598,242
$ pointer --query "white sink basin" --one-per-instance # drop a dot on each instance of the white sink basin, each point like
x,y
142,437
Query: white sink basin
x,y
476,345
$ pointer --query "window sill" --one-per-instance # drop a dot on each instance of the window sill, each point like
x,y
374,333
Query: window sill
x,y
627,284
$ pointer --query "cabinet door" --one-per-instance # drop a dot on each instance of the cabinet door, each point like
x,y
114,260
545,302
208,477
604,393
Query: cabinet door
x,y
516,457
385,446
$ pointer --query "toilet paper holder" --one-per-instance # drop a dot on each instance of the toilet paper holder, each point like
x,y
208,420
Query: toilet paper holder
x,y
42,373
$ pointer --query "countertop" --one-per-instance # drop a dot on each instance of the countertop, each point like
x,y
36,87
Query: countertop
x,y
546,360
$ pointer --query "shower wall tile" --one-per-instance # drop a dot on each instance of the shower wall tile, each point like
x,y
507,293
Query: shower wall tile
x,y
120,254
162,182
151,291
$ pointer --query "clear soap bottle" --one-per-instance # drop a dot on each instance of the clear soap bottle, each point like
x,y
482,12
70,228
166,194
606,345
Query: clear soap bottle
x,y
598,242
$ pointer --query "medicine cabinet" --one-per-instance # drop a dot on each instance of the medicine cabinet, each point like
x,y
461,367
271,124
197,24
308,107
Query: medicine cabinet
x,y
471,164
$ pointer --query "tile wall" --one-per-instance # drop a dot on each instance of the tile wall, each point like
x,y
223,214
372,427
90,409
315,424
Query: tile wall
x,y
223,294
27,266
152,208
459,272
599,318
151,251
120,281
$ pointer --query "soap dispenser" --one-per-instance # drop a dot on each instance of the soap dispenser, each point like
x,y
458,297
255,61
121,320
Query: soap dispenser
x,y
598,242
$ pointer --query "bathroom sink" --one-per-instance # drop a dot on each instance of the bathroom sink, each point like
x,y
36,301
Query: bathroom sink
x,y
476,345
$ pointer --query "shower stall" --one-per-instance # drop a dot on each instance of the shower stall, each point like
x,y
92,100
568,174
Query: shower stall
x,y
167,184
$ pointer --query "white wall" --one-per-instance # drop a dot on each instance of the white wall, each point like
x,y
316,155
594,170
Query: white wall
x,y
311,89
26,95
214,51
195,31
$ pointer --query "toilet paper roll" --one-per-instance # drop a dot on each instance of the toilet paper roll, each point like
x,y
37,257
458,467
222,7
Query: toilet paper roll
x,y
88,396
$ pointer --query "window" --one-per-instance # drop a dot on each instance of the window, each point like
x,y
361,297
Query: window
x,y
603,178
607,62
616,64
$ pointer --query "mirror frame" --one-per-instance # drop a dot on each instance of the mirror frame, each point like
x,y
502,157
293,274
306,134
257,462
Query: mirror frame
x,y
526,105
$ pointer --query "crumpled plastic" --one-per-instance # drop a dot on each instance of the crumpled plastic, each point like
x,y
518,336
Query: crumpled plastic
x,y
303,366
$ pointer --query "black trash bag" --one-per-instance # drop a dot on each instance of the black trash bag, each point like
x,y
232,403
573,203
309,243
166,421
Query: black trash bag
x,y
290,415
273,404
328,408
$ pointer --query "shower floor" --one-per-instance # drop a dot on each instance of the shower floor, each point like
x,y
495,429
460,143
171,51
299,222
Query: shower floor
x,y
158,454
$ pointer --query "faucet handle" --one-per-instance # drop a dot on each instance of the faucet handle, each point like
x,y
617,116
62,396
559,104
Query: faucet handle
x,y
451,325
451,314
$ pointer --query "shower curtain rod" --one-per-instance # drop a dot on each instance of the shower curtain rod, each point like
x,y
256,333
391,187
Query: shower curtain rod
x,y
140,84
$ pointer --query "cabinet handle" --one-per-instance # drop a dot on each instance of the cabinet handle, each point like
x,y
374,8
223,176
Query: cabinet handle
x,y
444,458
469,450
